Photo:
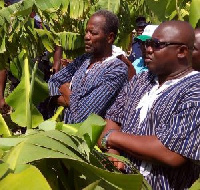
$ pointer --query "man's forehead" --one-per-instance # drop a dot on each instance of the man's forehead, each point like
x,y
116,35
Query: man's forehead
x,y
197,34
197,38
166,32
97,20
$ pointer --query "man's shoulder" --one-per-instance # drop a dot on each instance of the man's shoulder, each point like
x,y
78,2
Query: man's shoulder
x,y
193,78
142,80
82,58
143,76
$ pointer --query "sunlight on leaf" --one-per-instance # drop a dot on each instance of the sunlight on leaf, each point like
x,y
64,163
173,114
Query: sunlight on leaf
x,y
30,178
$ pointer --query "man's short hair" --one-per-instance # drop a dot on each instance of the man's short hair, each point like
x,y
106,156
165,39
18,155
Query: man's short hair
x,y
11,1
112,21
141,21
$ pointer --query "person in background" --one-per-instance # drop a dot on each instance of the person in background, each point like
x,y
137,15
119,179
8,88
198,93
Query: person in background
x,y
196,51
136,51
139,64
92,81
155,121
10,2
2,87
4,108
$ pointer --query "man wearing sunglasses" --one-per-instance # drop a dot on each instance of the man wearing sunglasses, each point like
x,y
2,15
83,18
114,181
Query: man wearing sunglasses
x,y
155,121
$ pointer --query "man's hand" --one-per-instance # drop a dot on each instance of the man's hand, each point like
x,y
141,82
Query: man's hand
x,y
131,70
118,164
4,108
66,92
65,62
2,102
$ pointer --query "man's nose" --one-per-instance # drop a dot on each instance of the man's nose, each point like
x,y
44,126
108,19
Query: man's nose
x,y
87,36
148,49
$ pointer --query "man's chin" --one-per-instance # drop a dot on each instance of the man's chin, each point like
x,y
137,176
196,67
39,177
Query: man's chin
x,y
88,51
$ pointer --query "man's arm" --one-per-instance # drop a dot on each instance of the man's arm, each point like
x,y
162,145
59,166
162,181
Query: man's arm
x,y
3,77
131,70
147,148
61,78
57,59
64,99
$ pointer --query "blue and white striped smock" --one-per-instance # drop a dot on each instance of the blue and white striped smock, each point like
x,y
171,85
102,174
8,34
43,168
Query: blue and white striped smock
x,y
93,90
174,118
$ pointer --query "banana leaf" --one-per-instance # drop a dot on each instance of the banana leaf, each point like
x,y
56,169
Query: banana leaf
x,y
194,12
74,153
22,179
4,130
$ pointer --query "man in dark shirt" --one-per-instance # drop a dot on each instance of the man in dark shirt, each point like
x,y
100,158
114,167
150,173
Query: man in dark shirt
x,y
136,49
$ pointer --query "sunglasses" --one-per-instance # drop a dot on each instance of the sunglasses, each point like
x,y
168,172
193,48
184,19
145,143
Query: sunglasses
x,y
156,44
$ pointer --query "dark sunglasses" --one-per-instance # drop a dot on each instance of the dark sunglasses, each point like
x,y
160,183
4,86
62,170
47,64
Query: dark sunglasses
x,y
156,44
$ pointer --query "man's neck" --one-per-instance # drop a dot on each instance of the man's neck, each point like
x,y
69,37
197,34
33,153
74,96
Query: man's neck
x,y
99,58
175,75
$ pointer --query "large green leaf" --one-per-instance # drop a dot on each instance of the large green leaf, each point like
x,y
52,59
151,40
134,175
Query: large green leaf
x,y
158,7
92,133
117,180
55,144
7,143
77,8
171,7
50,5
196,185
43,145
47,39
194,12
4,130
109,5
3,46
29,178
24,114
4,168
25,8
92,186
65,4
41,90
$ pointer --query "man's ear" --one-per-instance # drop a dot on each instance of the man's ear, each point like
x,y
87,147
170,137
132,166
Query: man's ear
x,y
182,51
111,38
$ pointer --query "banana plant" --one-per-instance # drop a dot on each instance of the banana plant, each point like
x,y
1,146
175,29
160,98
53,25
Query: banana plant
x,y
25,113
62,158
4,129
173,9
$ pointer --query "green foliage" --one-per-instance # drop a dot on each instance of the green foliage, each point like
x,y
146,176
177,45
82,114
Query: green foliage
x,y
4,130
26,114
194,12
196,185
24,179
66,161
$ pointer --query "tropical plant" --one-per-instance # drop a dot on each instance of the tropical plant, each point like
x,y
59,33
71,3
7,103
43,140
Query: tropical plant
x,y
62,157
